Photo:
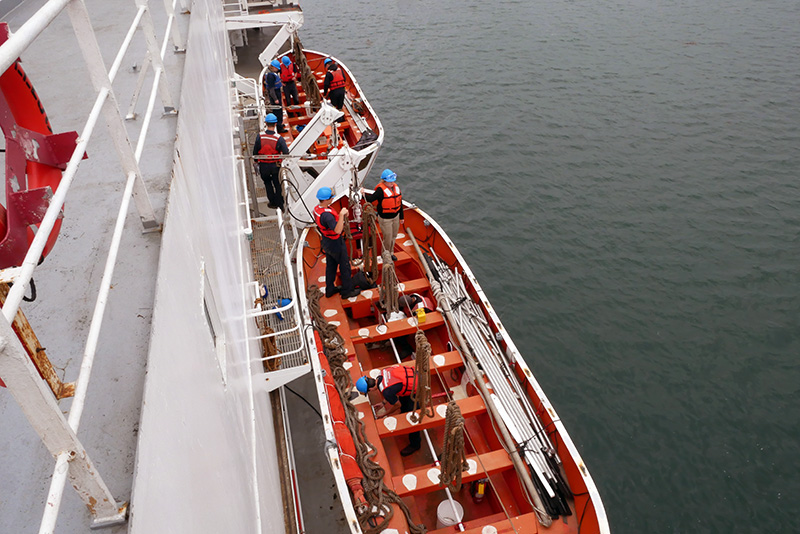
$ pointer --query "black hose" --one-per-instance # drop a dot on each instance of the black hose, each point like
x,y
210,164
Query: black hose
x,y
300,196
305,400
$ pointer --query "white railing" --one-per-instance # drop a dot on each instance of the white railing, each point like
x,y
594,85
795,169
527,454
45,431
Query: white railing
x,y
21,378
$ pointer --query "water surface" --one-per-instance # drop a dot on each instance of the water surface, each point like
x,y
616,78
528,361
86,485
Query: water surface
x,y
622,177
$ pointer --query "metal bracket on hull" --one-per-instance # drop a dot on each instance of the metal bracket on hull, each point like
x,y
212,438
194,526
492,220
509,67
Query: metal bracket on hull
x,y
267,382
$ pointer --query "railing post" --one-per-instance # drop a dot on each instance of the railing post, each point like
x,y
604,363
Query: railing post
x,y
99,75
177,39
39,406
155,55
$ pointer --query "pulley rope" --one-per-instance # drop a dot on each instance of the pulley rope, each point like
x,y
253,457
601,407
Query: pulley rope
x,y
388,294
370,240
454,458
307,79
375,518
423,400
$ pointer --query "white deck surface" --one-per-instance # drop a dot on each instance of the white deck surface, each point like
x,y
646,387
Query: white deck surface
x,y
67,281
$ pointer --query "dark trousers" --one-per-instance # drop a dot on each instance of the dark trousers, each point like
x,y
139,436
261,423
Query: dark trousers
x,y
337,97
290,93
407,405
336,258
270,174
276,107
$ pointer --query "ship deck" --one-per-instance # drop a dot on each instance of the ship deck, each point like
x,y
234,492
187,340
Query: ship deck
x,y
67,281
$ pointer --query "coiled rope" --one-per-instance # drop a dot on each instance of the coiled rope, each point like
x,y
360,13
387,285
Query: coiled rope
x,y
374,518
454,459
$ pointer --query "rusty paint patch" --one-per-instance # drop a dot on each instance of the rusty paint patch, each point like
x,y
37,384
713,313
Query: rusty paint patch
x,y
583,469
36,352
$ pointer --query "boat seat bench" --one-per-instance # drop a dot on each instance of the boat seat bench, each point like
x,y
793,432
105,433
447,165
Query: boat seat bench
x,y
523,524
425,479
438,362
370,334
361,305
397,425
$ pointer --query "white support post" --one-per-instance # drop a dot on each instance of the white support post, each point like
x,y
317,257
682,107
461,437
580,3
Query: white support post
x,y
177,39
100,80
155,56
139,85
39,406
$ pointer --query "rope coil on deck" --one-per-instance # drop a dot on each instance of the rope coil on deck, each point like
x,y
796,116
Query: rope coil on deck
x,y
375,518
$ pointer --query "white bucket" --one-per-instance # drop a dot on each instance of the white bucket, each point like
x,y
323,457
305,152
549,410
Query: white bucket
x,y
445,516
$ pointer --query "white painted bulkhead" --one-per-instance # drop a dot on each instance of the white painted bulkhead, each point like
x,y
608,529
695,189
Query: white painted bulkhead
x,y
201,466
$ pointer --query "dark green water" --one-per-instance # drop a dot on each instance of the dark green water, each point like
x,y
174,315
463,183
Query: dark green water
x,y
623,180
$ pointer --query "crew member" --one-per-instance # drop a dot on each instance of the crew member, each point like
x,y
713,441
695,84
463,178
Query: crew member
x,y
272,88
330,224
288,77
390,208
334,82
396,384
271,145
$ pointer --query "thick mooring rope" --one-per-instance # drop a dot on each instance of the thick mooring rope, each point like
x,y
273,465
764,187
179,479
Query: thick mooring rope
x,y
454,459
375,518
389,297
423,400
369,227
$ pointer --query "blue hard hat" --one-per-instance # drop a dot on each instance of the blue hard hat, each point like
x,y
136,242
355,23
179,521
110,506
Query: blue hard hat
x,y
271,118
388,176
327,60
361,385
324,193
275,63
286,61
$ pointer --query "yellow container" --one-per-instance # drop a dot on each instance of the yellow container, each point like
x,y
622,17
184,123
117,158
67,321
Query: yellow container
x,y
420,315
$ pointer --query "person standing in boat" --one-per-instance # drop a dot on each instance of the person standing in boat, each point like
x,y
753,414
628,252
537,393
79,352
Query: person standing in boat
x,y
288,77
330,224
397,384
272,89
271,145
334,83
390,208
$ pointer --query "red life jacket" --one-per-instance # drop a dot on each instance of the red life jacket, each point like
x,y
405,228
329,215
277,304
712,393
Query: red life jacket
x,y
327,232
392,199
398,374
287,73
338,79
269,148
